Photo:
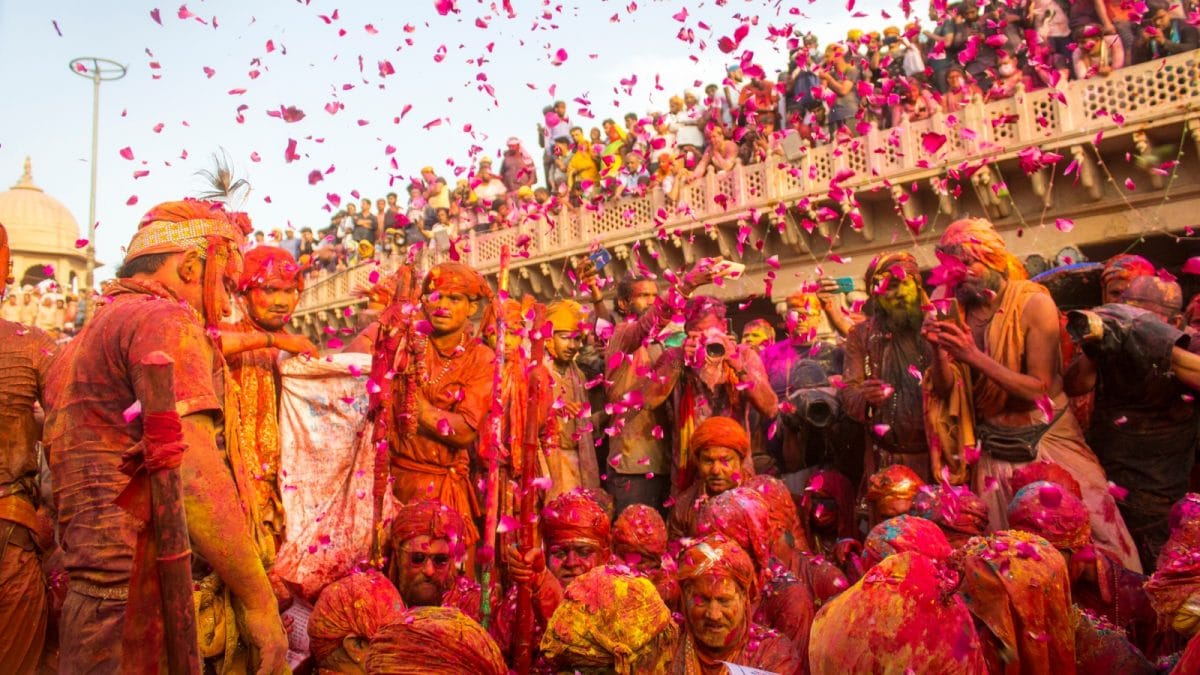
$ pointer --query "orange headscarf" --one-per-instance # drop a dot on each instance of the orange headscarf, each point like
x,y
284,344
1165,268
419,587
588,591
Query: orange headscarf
x,y
980,241
719,556
894,482
434,640
640,529
723,432
358,605
431,518
574,516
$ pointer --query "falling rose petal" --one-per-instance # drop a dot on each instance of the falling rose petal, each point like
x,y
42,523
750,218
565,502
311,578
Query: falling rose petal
x,y
1192,266
914,371
1118,493
560,56
990,484
131,201
542,483
1130,185
1050,496
290,154
127,152
131,413
1046,406
1064,224
315,176
154,14
507,524
880,430
444,7
443,427
932,141
80,243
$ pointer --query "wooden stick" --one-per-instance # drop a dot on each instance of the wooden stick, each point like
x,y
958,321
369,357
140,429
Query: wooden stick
x,y
538,383
170,529
495,440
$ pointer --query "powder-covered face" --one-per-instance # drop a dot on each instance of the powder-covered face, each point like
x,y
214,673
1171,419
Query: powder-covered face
x,y
567,560
758,335
271,303
804,316
425,571
715,609
719,469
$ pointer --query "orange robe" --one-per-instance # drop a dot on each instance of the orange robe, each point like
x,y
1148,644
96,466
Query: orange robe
x,y
256,377
25,355
422,466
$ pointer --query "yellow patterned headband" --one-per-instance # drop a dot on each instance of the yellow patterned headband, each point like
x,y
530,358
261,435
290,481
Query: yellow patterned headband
x,y
163,236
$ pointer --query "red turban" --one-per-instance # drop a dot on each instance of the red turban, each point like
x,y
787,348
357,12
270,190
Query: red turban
x,y
175,227
718,556
1043,470
431,518
741,514
832,485
1126,267
640,529
903,534
894,482
723,432
358,605
1052,513
783,513
979,241
959,512
263,264
574,516
434,640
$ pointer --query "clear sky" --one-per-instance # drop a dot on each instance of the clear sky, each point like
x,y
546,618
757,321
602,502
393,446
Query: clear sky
x,y
189,76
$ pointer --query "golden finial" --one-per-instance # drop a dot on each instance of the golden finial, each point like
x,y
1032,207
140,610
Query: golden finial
x,y
26,176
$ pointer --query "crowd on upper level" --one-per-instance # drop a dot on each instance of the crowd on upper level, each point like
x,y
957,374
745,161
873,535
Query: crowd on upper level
x,y
968,51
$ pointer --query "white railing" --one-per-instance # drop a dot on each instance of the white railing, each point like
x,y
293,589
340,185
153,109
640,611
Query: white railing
x,y
1151,94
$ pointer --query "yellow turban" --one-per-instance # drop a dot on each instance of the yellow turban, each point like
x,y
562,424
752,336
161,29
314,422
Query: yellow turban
x,y
565,315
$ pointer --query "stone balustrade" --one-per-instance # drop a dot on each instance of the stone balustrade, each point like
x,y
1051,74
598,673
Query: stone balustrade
x,y
1128,102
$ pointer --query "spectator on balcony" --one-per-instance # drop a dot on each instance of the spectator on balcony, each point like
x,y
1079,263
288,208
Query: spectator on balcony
x,y
721,155
904,58
555,125
583,170
689,122
812,123
435,191
1116,18
1049,19
1164,36
842,79
365,224
757,97
516,167
663,138
558,172
633,177
596,137
414,229
716,106
1096,54
612,152
940,51
971,35
916,103
1009,76
803,84
762,141
291,243
307,246
735,81
670,176
464,207
487,185
959,91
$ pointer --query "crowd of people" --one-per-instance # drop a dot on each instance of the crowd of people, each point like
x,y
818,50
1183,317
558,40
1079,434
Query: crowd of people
x,y
958,477
870,80
44,306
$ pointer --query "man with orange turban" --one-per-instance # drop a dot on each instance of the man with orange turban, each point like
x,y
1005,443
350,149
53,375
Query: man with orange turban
x,y
1119,272
890,492
268,291
574,463
169,290
428,546
997,379
719,583
719,448
25,355
881,391
444,392
434,640
349,613
610,620
639,540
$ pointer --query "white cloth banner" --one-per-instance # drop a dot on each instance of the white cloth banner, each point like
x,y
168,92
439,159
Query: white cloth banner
x,y
326,467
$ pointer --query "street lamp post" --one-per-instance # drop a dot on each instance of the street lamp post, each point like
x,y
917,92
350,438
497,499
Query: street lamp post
x,y
97,70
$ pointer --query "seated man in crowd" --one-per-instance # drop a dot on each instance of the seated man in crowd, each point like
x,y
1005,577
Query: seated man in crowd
x,y
349,613
719,449
434,640
718,581
428,546
639,540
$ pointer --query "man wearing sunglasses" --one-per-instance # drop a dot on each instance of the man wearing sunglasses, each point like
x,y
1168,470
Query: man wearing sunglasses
x,y
428,546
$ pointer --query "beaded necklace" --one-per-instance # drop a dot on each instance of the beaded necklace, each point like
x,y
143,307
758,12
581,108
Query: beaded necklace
x,y
448,361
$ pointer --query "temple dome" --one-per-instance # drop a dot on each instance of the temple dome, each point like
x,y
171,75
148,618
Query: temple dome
x,y
37,222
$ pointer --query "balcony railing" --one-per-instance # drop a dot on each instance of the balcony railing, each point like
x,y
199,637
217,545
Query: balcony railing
x,y
1157,93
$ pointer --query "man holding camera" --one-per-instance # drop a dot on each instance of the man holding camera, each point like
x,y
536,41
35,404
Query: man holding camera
x,y
799,369
1144,427
708,375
